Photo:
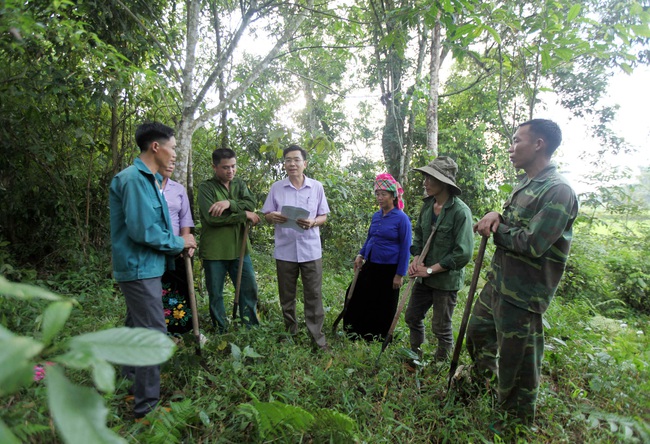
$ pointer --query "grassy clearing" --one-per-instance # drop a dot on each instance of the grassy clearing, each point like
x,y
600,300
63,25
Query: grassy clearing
x,y
253,386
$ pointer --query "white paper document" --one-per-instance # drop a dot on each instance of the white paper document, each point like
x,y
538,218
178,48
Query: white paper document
x,y
293,213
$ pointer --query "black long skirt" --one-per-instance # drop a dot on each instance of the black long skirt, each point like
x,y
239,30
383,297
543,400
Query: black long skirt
x,y
372,306
178,315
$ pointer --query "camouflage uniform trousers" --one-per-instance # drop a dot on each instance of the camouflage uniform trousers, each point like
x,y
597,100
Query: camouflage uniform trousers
x,y
507,341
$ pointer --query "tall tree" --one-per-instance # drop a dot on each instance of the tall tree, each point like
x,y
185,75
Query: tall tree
x,y
63,114
198,69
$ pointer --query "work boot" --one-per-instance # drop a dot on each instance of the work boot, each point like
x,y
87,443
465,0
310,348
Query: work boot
x,y
442,354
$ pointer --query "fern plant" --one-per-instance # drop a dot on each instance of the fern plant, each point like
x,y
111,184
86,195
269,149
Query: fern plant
x,y
276,420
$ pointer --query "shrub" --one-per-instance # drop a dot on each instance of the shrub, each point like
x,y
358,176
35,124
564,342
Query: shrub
x,y
631,276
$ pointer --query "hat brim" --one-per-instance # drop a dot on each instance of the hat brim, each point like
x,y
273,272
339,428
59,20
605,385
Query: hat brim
x,y
438,175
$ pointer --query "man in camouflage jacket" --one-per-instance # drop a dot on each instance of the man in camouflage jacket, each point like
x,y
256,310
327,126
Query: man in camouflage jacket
x,y
505,335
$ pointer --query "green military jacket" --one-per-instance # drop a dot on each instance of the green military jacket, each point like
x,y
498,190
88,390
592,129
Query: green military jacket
x,y
452,244
221,236
533,240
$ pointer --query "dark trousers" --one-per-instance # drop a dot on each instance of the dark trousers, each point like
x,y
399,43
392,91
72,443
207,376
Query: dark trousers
x,y
312,280
507,341
144,308
443,303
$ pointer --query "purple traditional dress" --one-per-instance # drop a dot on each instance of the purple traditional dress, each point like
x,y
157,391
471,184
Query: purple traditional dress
x,y
178,315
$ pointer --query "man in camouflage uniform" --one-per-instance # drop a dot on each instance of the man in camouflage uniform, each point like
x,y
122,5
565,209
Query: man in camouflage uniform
x,y
505,335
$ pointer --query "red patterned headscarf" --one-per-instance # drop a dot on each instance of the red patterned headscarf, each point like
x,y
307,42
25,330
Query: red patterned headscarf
x,y
387,182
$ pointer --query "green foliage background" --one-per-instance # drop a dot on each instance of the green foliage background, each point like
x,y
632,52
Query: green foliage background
x,y
78,77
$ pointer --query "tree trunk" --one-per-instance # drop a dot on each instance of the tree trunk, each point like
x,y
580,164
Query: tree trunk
x,y
434,86
191,119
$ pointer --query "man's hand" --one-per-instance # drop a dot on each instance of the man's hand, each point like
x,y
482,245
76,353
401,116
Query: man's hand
x,y
418,271
275,217
190,243
414,265
488,225
306,224
217,208
397,282
253,217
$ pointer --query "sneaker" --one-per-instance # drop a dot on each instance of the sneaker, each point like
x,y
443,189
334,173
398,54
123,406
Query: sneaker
x,y
202,339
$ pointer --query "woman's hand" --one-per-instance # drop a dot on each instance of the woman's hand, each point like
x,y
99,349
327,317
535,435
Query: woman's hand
x,y
397,282
358,262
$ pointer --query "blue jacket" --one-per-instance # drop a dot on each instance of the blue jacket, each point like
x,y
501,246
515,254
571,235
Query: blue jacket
x,y
389,239
141,231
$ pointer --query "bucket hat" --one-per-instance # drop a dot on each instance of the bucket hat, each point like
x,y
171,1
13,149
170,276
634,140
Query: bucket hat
x,y
444,169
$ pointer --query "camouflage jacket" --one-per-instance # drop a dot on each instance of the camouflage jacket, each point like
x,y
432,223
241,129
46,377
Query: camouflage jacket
x,y
533,240
452,245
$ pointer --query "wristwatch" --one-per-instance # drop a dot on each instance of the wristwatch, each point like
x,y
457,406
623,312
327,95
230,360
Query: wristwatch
x,y
429,270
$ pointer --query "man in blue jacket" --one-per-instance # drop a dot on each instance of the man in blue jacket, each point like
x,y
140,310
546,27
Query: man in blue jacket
x,y
143,244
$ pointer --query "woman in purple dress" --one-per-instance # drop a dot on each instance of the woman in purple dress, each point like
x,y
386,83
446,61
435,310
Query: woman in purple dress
x,y
178,315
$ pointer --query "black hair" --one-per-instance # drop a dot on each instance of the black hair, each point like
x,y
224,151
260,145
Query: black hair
x,y
547,130
150,132
294,147
222,153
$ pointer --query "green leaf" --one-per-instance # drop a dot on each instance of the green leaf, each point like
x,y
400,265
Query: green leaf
x,y
495,35
79,359
546,60
465,29
564,53
5,333
250,353
205,419
126,346
17,369
54,318
627,68
24,291
335,424
6,436
235,351
78,412
104,376
559,341
573,12
506,188
276,419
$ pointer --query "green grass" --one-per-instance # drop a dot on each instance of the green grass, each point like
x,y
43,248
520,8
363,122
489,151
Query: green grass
x,y
595,385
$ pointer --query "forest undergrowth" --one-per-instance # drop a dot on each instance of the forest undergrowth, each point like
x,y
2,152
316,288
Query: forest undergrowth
x,y
260,385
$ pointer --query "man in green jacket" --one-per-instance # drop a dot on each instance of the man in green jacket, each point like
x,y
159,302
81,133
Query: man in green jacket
x,y
505,335
225,206
442,270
